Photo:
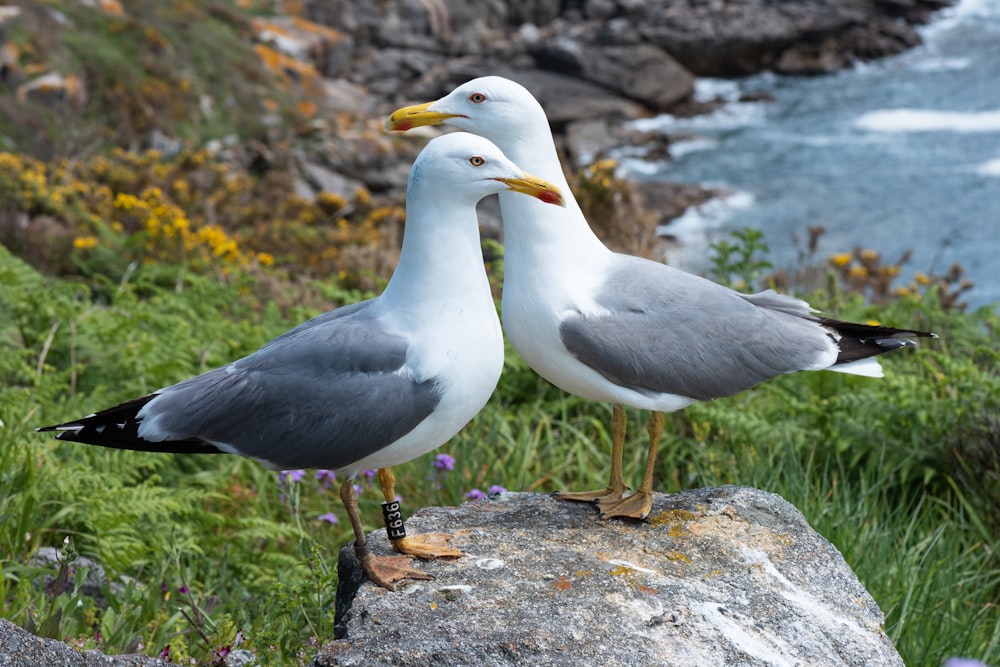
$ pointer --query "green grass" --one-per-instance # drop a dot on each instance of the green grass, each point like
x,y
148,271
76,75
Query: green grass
x,y
144,70
901,474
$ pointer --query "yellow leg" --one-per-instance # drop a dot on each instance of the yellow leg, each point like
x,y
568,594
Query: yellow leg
x,y
383,570
428,546
638,505
616,484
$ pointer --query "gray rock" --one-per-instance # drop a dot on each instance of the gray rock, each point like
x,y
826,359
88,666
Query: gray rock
x,y
20,648
726,575
322,179
738,38
642,72
342,96
567,99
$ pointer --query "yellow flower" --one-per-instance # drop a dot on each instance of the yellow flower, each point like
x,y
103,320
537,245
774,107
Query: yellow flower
x,y
84,242
840,260
922,279
858,272
265,258
362,196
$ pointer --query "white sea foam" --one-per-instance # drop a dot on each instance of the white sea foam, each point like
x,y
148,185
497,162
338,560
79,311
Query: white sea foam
x,y
729,117
933,64
949,17
928,120
698,226
989,168
679,149
976,8
632,165
707,89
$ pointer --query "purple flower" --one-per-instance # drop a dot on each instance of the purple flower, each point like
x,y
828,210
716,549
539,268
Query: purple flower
x,y
963,662
496,488
292,475
326,477
444,462
358,489
475,494
329,517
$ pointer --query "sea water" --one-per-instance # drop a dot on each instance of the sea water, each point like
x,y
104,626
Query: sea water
x,y
902,154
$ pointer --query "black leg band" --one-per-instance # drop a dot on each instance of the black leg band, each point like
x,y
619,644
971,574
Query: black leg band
x,y
394,527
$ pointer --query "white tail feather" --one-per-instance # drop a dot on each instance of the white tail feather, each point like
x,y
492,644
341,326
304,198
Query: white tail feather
x,y
869,367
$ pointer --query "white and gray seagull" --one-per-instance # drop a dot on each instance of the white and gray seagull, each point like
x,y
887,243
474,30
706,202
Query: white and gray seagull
x,y
616,328
369,385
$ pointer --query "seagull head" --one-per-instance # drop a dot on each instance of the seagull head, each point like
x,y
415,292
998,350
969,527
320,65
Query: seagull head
x,y
461,164
490,106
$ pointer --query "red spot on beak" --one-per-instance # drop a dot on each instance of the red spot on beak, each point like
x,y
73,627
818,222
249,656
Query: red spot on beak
x,y
403,126
550,197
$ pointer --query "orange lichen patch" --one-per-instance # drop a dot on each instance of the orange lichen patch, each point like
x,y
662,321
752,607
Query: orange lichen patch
x,y
287,67
111,7
562,583
52,88
263,27
291,7
307,109
323,31
34,69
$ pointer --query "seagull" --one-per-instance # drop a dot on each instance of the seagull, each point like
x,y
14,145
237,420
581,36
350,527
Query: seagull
x,y
369,385
621,329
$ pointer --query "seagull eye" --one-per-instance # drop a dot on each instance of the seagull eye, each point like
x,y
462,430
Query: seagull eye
x,y
476,161
477,98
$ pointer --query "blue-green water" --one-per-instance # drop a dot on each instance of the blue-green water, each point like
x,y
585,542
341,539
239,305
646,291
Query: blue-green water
x,y
902,154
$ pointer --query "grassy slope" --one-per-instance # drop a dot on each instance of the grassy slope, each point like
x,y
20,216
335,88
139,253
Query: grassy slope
x,y
876,467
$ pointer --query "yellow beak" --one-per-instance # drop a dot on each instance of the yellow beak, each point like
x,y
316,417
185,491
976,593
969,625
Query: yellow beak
x,y
415,116
535,187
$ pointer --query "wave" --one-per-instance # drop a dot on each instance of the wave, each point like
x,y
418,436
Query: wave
x,y
963,11
989,168
732,116
697,226
926,120
937,64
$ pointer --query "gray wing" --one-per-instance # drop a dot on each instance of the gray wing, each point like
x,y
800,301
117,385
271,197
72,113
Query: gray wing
x,y
672,332
323,395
